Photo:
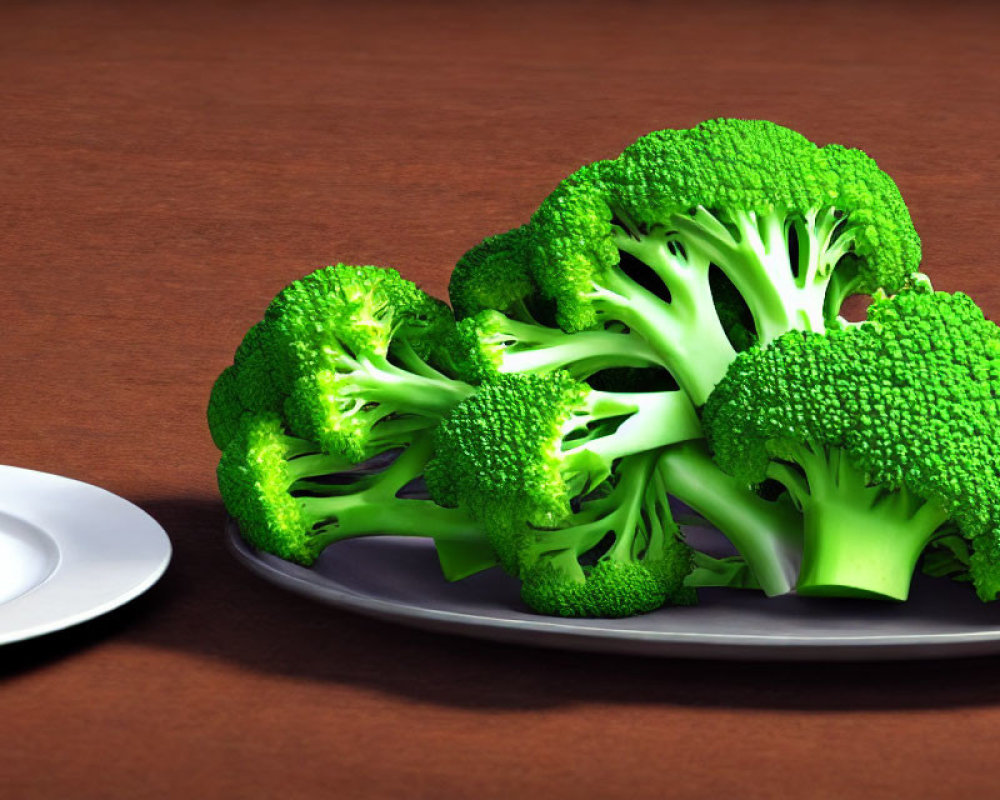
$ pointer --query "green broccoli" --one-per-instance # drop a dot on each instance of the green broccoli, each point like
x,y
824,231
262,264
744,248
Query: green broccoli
x,y
884,434
348,364
356,359
255,376
667,326
767,534
640,240
280,490
524,446
552,468
574,572
224,408
494,274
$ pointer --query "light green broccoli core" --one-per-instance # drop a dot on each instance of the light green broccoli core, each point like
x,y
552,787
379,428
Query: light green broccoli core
x,y
860,540
524,347
784,290
652,419
768,535
401,390
361,406
376,509
617,511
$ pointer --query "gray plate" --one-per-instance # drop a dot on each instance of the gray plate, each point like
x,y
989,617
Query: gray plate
x,y
399,579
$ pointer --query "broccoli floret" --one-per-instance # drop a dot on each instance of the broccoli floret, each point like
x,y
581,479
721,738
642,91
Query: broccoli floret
x,y
494,275
793,227
551,467
524,446
357,310
573,571
353,358
349,363
256,379
278,487
571,486
884,434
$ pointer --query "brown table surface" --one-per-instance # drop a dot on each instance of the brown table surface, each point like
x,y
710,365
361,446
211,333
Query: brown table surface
x,y
165,168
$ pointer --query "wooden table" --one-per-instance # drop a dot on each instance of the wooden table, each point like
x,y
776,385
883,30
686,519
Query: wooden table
x,y
166,168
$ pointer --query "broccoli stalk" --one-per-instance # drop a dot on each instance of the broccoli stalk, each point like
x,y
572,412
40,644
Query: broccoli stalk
x,y
644,567
496,344
767,535
280,490
372,506
650,420
365,404
785,288
860,540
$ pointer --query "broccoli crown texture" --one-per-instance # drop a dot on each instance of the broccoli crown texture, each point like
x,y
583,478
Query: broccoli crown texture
x,y
349,311
258,470
499,453
257,378
224,408
899,414
731,169
352,358
493,274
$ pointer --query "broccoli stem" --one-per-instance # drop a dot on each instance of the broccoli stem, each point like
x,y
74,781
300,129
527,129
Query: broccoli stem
x,y
695,351
635,476
618,512
860,540
402,391
376,510
753,251
768,535
313,464
539,349
651,420
370,514
717,573
409,358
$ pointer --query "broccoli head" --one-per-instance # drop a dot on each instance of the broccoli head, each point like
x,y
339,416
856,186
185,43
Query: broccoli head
x,y
552,469
646,240
352,358
884,434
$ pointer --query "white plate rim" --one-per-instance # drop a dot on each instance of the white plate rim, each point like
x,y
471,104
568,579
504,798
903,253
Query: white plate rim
x,y
110,551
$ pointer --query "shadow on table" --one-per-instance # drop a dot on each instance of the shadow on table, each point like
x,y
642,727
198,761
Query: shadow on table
x,y
210,605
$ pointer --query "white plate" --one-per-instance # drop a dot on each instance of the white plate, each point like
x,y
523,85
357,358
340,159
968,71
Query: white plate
x,y
398,579
69,552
